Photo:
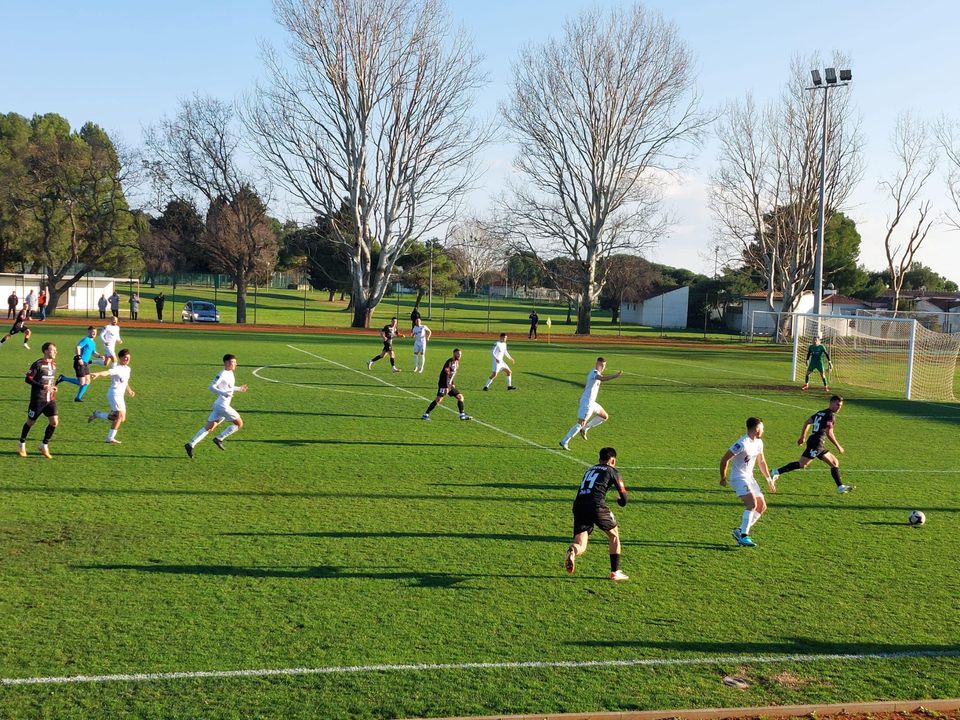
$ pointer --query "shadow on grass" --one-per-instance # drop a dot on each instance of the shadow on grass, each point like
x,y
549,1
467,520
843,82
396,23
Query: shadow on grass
x,y
398,535
786,646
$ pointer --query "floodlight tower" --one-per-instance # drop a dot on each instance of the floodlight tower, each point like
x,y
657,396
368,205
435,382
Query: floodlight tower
x,y
832,81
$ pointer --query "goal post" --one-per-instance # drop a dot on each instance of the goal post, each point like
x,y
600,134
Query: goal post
x,y
885,353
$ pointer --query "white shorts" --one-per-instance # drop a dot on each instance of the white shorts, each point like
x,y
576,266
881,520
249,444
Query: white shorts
x,y
110,351
499,365
587,410
419,346
745,486
223,411
118,403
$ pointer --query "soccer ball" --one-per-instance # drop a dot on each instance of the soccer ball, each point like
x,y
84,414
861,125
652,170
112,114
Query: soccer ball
x,y
917,518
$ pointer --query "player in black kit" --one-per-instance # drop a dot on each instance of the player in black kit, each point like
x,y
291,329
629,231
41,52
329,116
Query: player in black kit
x,y
19,326
590,508
42,379
446,387
821,424
388,333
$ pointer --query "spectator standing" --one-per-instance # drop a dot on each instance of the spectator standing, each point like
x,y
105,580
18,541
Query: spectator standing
x,y
134,306
12,302
29,301
42,305
102,306
159,300
115,304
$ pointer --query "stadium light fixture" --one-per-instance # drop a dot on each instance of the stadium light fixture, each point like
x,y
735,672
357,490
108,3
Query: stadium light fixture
x,y
832,81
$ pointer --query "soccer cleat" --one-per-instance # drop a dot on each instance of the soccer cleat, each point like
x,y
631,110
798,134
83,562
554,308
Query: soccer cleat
x,y
844,489
189,448
826,389
564,445
485,388
570,560
219,443
26,346
464,416
746,541
511,387
22,450
369,364
425,416
59,379
113,441
45,451
78,399
619,575
806,386
737,534
92,417
775,474
583,432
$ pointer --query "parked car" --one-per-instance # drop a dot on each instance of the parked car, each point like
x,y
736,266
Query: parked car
x,y
200,311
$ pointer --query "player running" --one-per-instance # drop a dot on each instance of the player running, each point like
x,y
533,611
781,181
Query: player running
x,y
744,454
388,333
421,334
116,395
224,385
446,387
821,426
110,336
41,377
19,326
590,508
589,405
499,352
86,351
815,357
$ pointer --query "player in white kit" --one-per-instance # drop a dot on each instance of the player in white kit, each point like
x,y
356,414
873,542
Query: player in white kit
x,y
224,385
744,454
421,334
119,376
589,407
110,336
500,357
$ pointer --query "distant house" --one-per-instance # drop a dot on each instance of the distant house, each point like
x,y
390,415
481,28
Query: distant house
x,y
755,316
663,307
841,305
944,307
83,295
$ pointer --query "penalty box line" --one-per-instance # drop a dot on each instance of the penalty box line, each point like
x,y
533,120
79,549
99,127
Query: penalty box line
x,y
437,667
487,425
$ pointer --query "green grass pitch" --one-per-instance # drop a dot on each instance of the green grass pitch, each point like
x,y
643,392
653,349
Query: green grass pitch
x,y
341,534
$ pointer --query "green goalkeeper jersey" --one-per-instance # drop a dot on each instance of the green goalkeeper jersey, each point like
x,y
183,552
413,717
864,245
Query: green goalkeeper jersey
x,y
815,356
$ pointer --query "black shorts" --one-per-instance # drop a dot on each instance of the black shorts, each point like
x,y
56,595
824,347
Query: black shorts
x,y
586,514
451,391
80,368
813,451
387,346
42,407
17,328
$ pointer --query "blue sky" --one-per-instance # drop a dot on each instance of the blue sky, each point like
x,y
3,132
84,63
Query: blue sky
x,y
124,65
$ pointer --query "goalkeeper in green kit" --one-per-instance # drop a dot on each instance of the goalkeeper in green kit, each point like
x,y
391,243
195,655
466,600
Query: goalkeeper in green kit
x,y
816,354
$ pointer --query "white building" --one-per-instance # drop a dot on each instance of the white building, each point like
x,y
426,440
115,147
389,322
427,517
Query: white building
x,y
664,309
83,295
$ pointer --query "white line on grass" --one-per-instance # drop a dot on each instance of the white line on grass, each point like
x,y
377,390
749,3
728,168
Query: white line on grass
x,y
716,389
712,468
487,425
430,667
256,373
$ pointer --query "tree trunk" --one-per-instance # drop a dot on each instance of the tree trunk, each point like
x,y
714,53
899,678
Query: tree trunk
x,y
583,317
361,314
332,293
241,302
416,303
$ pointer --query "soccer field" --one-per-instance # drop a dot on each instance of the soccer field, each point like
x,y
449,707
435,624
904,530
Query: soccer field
x,y
343,558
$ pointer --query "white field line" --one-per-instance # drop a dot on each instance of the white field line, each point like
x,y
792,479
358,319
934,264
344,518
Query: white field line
x,y
718,390
430,667
955,471
509,434
256,374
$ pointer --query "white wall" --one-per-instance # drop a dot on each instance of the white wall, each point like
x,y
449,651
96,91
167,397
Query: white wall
x,y
668,310
82,296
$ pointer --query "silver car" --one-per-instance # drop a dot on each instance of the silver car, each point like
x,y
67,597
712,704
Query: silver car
x,y
200,311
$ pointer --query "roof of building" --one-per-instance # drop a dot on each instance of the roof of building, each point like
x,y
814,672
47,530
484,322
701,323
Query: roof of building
x,y
842,300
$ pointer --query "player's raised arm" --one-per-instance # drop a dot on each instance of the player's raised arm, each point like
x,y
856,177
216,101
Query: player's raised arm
x,y
604,378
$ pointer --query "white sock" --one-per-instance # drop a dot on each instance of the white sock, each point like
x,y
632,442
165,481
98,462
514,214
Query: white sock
x,y
489,382
750,518
509,380
594,421
573,431
201,434
231,429
112,434
416,362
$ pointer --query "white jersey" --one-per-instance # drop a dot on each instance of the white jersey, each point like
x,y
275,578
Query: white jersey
x,y
592,388
110,335
224,385
420,335
745,451
119,379
499,352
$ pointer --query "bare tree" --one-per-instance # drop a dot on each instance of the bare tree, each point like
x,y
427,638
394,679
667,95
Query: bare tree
x,y
195,156
478,247
764,193
916,157
375,114
948,136
601,117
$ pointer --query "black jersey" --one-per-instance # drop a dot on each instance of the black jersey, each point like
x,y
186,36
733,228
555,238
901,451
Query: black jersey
x,y
447,373
19,321
596,481
820,423
388,333
42,379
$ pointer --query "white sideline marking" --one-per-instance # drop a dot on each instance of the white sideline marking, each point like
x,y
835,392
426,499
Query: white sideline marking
x,y
509,434
713,468
430,667
256,373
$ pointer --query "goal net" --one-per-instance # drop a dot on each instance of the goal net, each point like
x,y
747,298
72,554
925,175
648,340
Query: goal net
x,y
885,353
